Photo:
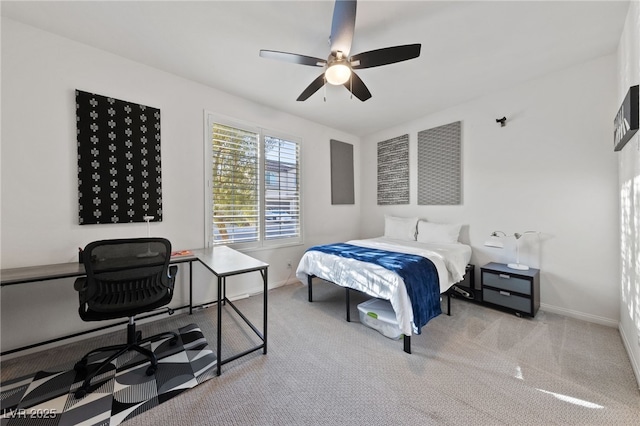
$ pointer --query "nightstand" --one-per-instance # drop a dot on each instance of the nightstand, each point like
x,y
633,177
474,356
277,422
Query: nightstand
x,y
510,289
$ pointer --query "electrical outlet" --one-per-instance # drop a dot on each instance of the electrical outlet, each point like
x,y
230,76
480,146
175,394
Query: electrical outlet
x,y
288,264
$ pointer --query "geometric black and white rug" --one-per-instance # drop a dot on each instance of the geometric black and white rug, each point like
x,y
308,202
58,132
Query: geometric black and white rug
x,y
118,394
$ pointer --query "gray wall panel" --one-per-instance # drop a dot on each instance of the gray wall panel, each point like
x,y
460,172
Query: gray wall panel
x,y
342,191
439,165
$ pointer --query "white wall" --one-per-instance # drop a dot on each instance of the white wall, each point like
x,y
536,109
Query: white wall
x,y
552,169
629,187
40,72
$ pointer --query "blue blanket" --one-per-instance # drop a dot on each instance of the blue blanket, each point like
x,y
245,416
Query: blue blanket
x,y
419,274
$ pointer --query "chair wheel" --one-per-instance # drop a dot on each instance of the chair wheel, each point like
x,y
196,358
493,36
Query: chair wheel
x,y
151,370
80,393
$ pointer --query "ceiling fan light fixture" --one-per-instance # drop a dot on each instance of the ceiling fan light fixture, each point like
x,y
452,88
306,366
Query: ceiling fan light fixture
x,y
340,65
338,73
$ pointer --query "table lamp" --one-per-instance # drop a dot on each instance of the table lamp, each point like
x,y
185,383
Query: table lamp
x,y
148,253
494,241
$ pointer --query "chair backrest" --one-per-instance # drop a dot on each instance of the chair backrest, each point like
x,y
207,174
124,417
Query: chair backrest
x,y
125,277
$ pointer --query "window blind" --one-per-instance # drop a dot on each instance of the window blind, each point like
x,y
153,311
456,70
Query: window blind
x,y
282,188
235,185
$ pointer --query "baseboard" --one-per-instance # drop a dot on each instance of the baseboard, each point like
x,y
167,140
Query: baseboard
x,y
627,346
580,315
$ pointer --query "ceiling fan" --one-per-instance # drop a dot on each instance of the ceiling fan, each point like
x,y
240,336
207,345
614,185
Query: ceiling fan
x,y
339,65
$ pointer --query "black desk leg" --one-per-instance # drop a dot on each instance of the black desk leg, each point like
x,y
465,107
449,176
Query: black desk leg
x,y
219,336
264,319
224,291
190,287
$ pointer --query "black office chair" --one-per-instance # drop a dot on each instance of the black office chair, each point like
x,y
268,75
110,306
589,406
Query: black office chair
x,y
124,277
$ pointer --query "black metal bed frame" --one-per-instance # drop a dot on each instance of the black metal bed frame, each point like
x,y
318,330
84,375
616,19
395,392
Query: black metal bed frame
x,y
406,339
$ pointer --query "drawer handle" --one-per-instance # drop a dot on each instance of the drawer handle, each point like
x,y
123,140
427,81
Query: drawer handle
x,y
505,293
505,276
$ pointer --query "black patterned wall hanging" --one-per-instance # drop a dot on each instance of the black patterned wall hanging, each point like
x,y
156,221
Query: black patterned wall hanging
x,y
439,165
627,119
393,171
119,168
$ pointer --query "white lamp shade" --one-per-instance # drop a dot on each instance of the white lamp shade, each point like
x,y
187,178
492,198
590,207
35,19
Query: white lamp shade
x,y
337,74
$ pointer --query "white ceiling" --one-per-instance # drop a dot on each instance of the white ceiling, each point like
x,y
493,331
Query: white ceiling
x,y
469,48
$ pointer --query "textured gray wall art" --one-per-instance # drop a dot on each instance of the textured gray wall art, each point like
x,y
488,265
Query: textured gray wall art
x,y
342,191
393,171
119,170
439,165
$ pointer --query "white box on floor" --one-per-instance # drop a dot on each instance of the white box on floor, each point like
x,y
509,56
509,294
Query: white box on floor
x,y
379,315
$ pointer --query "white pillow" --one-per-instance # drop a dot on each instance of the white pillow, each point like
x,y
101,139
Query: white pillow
x,y
401,228
440,233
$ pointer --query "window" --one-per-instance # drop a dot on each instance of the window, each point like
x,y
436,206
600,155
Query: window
x,y
282,191
235,186
253,188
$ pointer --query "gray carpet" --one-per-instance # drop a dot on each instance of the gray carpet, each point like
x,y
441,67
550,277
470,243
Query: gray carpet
x,y
479,366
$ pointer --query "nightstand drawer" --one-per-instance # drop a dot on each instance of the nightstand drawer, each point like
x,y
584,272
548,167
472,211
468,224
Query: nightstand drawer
x,y
506,282
504,298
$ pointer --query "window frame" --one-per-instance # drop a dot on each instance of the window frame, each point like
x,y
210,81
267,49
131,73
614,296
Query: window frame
x,y
209,119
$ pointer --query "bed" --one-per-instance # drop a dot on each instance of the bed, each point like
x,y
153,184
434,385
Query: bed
x,y
445,260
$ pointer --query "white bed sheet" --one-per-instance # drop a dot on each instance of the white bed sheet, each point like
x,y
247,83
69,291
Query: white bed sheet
x,y
450,261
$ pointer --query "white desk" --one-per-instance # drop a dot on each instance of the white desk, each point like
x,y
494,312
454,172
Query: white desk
x,y
224,262
221,261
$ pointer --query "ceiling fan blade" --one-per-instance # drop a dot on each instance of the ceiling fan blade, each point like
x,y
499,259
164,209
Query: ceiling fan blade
x,y
293,58
385,56
342,26
356,86
312,88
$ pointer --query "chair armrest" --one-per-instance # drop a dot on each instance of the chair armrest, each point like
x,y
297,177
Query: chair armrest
x,y
80,284
173,271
